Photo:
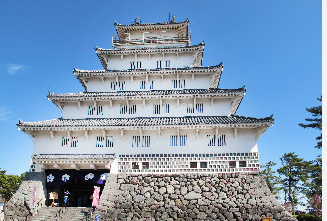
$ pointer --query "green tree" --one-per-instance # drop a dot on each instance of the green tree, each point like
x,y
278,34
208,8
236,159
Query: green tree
x,y
315,122
9,184
272,179
294,174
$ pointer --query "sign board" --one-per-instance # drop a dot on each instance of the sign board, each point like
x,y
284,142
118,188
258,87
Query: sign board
x,y
53,196
97,217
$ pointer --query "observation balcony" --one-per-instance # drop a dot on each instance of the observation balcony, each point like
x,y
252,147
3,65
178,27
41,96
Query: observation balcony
x,y
151,41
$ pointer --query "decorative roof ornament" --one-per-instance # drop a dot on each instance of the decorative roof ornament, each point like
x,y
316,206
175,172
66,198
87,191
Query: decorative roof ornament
x,y
174,20
136,22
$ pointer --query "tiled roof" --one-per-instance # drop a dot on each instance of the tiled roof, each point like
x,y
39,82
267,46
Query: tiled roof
x,y
214,91
150,24
78,72
73,156
146,122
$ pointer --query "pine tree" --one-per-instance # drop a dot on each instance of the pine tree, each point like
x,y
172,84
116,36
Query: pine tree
x,y
295,174
315,122
272,179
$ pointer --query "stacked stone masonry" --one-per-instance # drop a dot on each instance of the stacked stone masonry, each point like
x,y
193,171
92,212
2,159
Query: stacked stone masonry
x,y
20,206
188,197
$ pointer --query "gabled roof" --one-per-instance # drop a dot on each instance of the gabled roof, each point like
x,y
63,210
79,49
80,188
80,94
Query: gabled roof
x,y
182,27
146,50
148,122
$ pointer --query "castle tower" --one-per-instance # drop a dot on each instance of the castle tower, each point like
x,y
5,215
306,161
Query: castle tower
x,y
153,109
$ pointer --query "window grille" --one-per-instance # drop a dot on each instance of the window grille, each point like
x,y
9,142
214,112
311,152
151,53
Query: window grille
x,y
142,85
151,85
221,140
199,108
99,142
145,165
95,110
136,142
132,109
163,64
182,140
64,141
136,65
190,109
178,83
203,164
167,108
123,109
74,142
193,165
117,85
174,141
109,141
156,109
211,140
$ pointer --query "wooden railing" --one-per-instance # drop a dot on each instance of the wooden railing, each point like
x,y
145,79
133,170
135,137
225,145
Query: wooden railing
x,y
152,40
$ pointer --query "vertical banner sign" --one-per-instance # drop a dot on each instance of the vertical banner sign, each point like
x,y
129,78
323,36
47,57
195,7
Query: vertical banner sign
x,y
96,196
34,194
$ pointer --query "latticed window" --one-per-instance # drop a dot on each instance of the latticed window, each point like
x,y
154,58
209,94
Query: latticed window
x,y
211,140
132,109
214,140
117,85
156,109
123,109
199,108
178,83
221,140
64,141
74,142
142,85
95,110
136,65
99,142
104,141
180,140
151,85
167,108
190,109
163,64
137,142
109,141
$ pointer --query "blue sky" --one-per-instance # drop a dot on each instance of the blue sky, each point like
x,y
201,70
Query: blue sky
x,y
271,47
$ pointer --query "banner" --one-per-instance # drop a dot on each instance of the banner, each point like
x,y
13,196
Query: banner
x,y
96,196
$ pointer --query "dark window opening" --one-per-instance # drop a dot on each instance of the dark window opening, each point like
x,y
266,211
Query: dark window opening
x,y
193,165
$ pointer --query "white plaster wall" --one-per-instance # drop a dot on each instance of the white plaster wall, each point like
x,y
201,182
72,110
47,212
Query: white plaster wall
x,y
184,59
220,107
199,82
243,142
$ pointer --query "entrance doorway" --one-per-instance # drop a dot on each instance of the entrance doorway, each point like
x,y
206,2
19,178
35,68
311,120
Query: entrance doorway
x,y
80,184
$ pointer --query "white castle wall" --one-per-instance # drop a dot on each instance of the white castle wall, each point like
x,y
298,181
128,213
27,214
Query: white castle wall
x,y
97,85
115,62
243,142
220,107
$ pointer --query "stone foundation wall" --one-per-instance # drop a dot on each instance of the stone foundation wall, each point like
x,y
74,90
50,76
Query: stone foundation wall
x,y
21,204
188,197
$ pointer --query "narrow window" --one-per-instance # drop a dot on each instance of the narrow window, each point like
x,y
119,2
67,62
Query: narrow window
x,y
151,85
113,85
156,109
211,140
158,64
168,64
221,140
132,109
167,108
142,85
109,141
64,141
117,85
136,65
193,165
199,108
123,109
173,140
132,65
190,109
99,142
136,141
163,64
146,141
74,142
182,140
91,111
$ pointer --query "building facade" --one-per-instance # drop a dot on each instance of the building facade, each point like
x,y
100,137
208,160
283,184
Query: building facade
x,y
153,109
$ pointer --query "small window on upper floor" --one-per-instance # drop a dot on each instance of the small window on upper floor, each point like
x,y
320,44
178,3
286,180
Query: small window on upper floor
x,y
190,109
179,83
117,85
199,108
163,64
156,109
130,110
95,110
142,85
65,142
136,65
151,85
167,108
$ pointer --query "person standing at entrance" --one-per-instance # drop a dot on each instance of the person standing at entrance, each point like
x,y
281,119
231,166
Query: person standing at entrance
x,y
66,193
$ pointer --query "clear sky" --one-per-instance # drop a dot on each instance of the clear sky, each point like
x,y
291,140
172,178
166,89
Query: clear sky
x,y
271,47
